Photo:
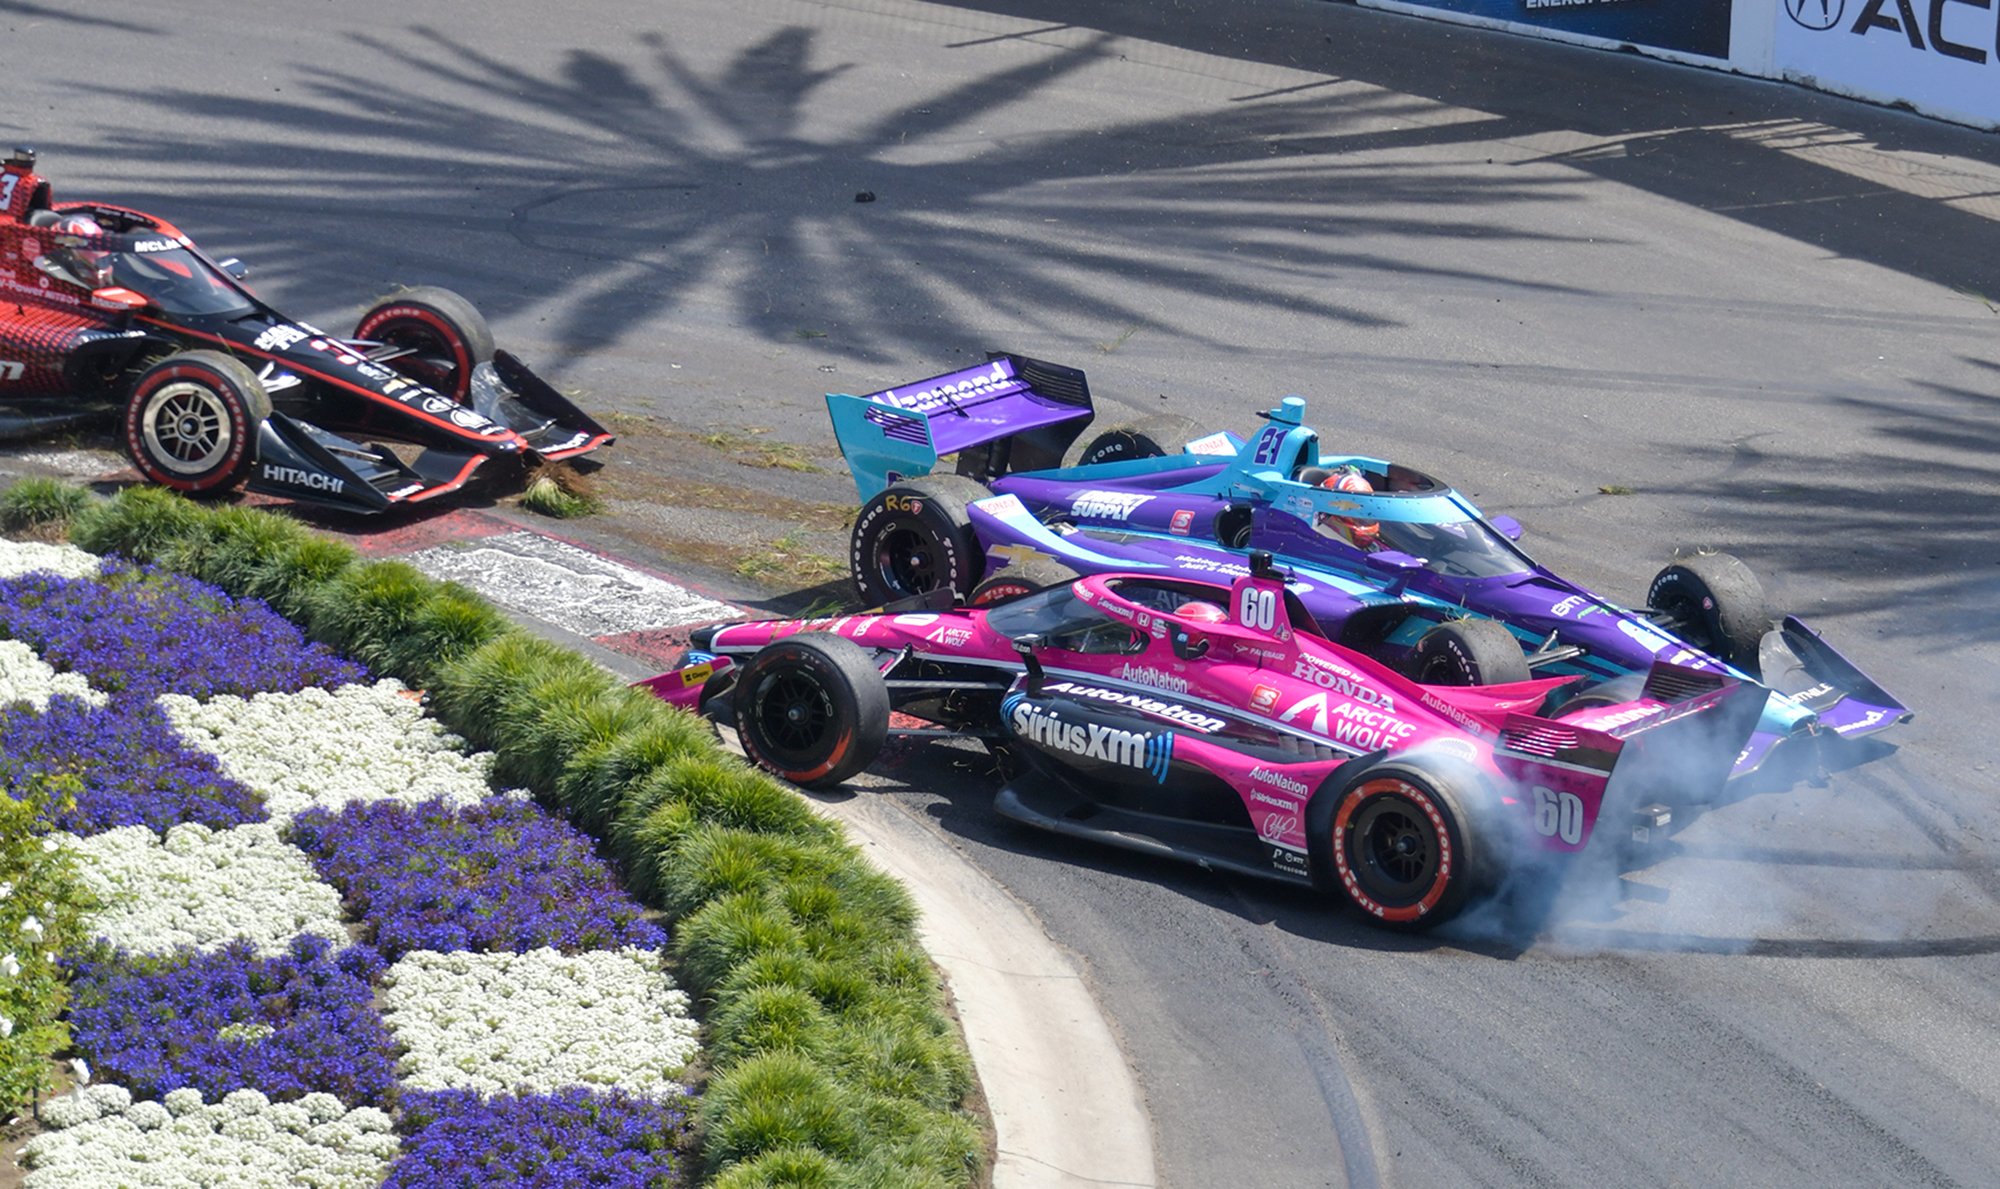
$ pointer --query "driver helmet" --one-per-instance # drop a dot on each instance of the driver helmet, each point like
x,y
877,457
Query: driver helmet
x,y
1201,611
1366,534
89,267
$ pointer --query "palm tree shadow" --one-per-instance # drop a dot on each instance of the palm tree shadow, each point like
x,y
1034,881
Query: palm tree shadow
x,y
615,189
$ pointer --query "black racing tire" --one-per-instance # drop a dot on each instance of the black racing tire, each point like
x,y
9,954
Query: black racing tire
x,y
191,422
914,538
1468,652
812,708
1021,578
1151,438
1714,602
447,334
1398,839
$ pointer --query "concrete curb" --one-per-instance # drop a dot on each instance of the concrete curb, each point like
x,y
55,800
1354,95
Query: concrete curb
x,y
1067,1110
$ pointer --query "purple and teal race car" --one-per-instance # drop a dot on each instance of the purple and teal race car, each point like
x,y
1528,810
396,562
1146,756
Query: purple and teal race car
x,y
1387,560
1209,721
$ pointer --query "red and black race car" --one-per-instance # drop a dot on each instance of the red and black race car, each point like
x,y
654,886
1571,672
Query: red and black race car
x,y
107,309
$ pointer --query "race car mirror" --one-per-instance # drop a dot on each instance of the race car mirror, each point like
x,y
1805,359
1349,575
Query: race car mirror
x,y
1187,645
235,268
117,297
1400,567
1506,526
1025,644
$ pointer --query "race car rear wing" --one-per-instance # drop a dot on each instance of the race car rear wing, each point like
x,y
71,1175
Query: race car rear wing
x,y
1024,412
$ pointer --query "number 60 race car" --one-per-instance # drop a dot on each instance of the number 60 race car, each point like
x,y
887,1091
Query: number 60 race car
x,y
1384,558
1211,723
108,310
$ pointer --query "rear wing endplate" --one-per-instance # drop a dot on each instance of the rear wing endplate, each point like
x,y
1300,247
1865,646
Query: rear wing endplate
x,y
1024,411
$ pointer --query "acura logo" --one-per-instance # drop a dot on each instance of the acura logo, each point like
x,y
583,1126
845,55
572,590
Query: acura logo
x,y
1815,14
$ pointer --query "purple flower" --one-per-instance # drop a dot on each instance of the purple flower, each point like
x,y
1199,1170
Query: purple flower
x,y
227,1020
498,876
572,1137
142,632
133,767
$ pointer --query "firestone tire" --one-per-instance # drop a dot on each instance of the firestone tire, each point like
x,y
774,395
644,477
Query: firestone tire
x,y
447,334
1716,604
1122,443
812,708
1021,578
1397,838
914,538
1468,652
191,422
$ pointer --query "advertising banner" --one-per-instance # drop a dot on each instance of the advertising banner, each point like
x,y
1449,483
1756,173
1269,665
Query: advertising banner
x,y
1937,55
1697,28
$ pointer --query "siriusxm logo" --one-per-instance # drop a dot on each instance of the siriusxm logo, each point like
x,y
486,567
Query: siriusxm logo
x,y
1039,725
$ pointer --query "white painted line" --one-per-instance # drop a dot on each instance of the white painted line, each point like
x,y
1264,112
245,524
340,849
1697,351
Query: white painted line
x,y
571,588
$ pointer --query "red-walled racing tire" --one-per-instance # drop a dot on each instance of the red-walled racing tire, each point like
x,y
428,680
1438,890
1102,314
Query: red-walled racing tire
x,y
812,708
1021,578
191,421
446,335
1398,839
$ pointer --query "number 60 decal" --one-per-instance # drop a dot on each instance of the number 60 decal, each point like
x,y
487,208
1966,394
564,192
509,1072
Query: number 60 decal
x,y
1259,609
1558,815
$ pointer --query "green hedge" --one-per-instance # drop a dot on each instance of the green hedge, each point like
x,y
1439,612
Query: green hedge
x,y
41,909
832,1059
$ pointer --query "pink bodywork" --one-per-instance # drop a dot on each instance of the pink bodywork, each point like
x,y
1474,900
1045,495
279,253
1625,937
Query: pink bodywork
x,y
1550,773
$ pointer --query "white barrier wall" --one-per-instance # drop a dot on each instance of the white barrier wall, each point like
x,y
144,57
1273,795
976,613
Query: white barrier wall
x,y
1941,57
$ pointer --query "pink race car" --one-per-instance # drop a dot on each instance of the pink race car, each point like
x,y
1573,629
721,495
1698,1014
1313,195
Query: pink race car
x,y
1208,723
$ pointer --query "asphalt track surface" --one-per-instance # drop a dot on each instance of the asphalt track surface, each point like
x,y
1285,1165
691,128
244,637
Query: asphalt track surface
x,y
1758,316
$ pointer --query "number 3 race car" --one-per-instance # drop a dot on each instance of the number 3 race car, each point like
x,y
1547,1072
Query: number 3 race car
x,y
104,309
1383,558
1134,709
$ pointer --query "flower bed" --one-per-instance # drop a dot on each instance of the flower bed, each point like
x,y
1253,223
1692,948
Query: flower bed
x,y
229,1021
833,1061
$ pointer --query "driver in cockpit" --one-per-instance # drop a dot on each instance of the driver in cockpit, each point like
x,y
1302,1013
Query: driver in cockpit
x,y
1364,535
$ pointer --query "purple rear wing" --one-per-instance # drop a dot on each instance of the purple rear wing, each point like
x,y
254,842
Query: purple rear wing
x,y
1024,411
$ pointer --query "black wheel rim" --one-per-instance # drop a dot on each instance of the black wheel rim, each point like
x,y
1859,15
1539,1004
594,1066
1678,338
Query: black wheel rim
x,y
1443,670
1395,850
432,362
905,561
793,715
1684,618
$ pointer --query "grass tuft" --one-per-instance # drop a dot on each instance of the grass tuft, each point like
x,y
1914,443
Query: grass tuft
x,y
41,509
775,1101
138,523
561,493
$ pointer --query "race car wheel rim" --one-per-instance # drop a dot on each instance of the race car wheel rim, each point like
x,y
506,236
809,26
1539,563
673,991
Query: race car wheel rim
x,y
187,427
906,562
437,360
793,713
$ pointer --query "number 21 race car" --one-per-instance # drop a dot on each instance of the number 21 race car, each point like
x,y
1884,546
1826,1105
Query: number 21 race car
x,y
1384,558
1211,723
105,310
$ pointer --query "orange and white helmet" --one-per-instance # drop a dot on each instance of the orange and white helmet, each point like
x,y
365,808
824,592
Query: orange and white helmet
x,y
1365,534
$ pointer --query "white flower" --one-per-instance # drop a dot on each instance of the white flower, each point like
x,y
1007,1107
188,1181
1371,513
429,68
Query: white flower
x,y
10,966
26,557
460,1032
107,1139
81,1069
32,928
49,845
203,887
6,889
6,1027
321,748
25,677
